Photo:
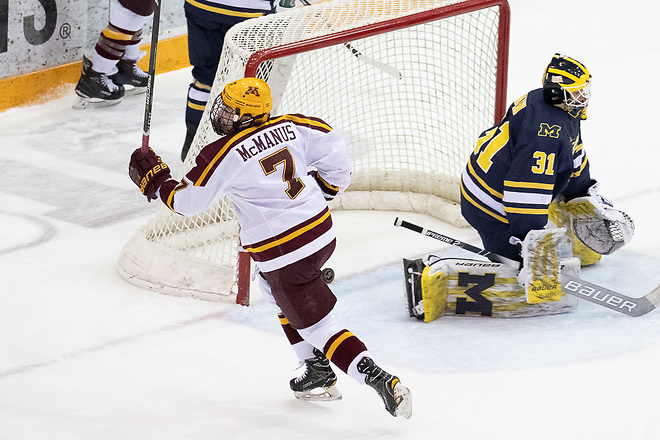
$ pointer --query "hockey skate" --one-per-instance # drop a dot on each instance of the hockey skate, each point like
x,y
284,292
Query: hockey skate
x,y
397,398
95,89
317,383
131,77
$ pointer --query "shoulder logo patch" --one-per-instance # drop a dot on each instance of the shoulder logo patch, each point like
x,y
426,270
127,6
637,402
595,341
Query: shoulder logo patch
x,y
549,130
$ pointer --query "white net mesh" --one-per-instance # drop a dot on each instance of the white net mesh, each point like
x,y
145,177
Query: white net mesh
x,y
409,92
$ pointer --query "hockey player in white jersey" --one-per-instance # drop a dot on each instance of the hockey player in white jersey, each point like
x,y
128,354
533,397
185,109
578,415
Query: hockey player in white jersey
x,y
280,172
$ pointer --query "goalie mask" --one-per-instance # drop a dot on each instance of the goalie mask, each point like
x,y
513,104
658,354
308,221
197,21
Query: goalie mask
x,y
242,104
567,85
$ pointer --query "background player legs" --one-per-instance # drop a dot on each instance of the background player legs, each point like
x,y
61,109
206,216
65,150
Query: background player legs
x,y
113,69
205,40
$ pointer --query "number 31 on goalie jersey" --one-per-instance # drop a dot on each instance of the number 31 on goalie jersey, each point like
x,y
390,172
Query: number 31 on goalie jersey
x,y
489,144
498,137
495,139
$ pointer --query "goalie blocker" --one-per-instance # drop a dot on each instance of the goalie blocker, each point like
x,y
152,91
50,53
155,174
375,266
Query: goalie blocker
x,y
436,287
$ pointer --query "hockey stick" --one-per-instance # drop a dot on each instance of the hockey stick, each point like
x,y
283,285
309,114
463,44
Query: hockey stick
x,y
390,70
452,241
146,128
572,285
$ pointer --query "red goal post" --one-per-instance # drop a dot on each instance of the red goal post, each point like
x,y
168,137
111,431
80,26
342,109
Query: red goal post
x,y
409,83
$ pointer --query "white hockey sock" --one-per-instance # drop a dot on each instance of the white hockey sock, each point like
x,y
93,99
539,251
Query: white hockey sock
x,y
125,18
304,350
103,65
353,371
133,53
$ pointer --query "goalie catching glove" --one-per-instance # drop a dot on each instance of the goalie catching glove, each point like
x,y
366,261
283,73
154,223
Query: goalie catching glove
x,y
148,172
597,224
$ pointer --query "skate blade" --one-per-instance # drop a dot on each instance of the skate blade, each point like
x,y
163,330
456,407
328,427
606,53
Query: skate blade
x,y
403,397
132,90
84,103
320,394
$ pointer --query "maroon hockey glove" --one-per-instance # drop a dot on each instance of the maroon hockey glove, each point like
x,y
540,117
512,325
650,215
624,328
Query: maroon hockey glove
x,y
148,172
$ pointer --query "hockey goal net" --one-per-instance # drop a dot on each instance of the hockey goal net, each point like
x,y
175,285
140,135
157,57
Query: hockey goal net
x,y
409,83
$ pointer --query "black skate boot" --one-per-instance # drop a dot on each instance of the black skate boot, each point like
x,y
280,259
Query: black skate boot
x,y
317,381
191,129
131,77
95,89
397,398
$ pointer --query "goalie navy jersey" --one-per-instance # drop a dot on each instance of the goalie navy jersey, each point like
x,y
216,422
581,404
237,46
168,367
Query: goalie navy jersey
x,y
281,208
518,167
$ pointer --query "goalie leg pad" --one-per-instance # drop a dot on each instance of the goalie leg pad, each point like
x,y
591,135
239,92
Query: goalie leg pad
x,y
412,274
541,251
464,287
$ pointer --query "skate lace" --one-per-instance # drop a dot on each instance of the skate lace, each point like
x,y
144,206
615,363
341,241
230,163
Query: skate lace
x,y
309,367
108,84
301,377
136,71
139,72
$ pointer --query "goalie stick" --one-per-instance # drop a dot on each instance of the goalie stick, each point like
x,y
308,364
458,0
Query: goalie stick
x,y
575,286
146,128
390,70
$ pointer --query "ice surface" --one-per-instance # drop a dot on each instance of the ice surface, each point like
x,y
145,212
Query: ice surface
x,y
85,355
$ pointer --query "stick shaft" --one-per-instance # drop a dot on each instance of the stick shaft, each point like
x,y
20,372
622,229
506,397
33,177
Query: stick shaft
x,y
146,129
454,242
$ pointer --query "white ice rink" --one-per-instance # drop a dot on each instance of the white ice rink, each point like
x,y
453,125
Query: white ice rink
x,y
86,356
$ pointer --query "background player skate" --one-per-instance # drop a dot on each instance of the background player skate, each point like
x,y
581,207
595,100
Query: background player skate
x,y
262,164
528,192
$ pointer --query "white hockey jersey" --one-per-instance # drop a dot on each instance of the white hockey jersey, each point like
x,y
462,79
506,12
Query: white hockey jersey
x,y
264,170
